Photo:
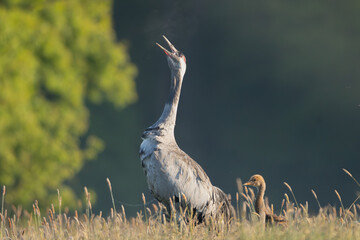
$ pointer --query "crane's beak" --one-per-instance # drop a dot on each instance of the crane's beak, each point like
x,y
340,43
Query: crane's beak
x,y
247,184
173,49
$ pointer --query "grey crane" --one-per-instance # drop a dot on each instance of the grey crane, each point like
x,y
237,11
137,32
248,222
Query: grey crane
x,y
169,171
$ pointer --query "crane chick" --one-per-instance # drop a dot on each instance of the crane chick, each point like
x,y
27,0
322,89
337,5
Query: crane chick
x,y
265,216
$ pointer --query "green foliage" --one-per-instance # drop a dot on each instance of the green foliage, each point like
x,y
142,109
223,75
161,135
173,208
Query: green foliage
x,y
55,56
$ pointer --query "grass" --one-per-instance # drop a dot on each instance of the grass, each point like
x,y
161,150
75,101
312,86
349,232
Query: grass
x,y
329,223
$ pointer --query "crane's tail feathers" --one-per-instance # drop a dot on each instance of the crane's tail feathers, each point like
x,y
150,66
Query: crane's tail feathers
x,y
222,204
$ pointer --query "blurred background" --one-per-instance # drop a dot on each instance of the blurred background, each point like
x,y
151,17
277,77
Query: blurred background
x,y
272,87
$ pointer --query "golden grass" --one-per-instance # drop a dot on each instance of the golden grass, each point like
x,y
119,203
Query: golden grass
x,y
150,223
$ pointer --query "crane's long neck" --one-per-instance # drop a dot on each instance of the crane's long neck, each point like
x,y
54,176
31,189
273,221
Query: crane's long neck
x,y
167,119
259,202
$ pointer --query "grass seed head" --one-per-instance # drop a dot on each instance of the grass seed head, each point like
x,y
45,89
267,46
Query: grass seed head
x,y
347,172
184,197
246,190
287,198
239,185
148,210
338,195
109,183
288,186
123,210
313,192
143,198
155,207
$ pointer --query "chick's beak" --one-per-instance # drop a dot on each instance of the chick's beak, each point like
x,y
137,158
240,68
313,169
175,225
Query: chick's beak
x,y
247,184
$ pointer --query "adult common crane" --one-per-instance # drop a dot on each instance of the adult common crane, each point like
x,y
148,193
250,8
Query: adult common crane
x,y
169,171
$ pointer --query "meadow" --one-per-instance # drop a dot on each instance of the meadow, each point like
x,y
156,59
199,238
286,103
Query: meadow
x,y
151,223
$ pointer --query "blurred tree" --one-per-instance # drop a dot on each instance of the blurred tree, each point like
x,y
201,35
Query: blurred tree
x,y
55,56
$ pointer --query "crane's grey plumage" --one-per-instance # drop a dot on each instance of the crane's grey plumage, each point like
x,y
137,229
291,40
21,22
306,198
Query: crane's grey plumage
x,y
169,171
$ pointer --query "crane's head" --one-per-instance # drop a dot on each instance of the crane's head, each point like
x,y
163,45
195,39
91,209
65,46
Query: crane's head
x,y
255,181
176,59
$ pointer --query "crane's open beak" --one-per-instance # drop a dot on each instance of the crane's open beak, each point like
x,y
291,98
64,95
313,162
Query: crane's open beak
x,y
173,49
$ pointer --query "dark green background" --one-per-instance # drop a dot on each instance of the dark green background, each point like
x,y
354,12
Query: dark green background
x,y
271,87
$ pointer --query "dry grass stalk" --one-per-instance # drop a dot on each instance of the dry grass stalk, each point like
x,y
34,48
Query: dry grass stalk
x,y
353,204
287,198
245,197
342,209
338,195
148,211
184,197
143,198
2,210
243,211
155,208
282,206
239,185
123,213
292,193
252,194
348,173
246,191
288,186
111,194
59,200
88,198
316,198
355,211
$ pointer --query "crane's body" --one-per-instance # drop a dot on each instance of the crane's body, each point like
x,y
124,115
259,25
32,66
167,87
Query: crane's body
x,y
169,171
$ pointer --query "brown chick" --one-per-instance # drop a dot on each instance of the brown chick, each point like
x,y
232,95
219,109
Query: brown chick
x,y
265,216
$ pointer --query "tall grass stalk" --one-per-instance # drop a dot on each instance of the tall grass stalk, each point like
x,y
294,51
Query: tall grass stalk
x,y
2,210
282,206
342,205
292,193
144,202
353,203
59,201
249,202
348,173
317,200
239,192
112,196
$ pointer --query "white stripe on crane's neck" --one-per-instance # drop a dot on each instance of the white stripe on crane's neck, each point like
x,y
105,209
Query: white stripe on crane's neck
x,y
168,117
